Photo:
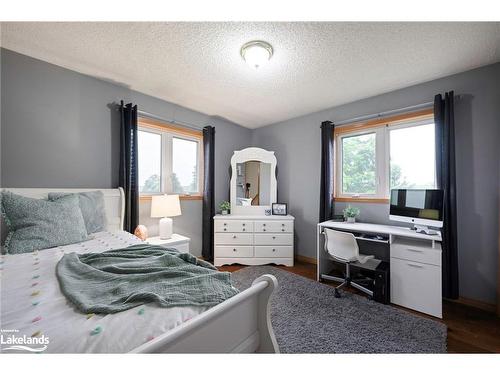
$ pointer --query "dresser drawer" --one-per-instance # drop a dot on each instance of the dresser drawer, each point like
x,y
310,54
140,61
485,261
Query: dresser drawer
x,y
231,226
273,239
236,251
273,226
416,286
233,239
416,251
273,251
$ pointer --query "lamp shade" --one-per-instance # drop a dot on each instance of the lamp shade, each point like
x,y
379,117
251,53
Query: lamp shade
x,y
165,206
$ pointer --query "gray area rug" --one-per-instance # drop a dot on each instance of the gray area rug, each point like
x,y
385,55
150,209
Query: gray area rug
x,y
307,318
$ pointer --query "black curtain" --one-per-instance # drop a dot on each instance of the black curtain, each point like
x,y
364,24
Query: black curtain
x,y
326,208
128,165
446,179
208,193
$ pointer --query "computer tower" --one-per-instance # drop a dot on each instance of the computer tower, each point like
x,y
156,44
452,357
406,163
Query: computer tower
x,y
380,276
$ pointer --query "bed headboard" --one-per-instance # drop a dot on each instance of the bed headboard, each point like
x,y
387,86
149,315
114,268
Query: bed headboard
x,y
114,201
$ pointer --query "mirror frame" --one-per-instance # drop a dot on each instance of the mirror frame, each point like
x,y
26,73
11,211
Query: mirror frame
x,y
252,154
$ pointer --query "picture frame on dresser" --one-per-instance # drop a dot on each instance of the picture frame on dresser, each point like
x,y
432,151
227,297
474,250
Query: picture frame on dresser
x,y
279,209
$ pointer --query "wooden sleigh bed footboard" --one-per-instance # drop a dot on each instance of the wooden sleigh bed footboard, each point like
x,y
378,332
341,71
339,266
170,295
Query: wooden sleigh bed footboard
x,y
241,324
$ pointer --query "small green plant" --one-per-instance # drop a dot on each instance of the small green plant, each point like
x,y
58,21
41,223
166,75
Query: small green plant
x,y
225,206
351,211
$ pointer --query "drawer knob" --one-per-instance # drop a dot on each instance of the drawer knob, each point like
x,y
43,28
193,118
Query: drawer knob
x,y
243,224
234,249
243,229
234,236
264,224
274,249
225,224
282,225
264,230
225,229
274,237
282,229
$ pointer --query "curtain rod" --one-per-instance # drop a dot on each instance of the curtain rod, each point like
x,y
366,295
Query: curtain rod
x,y
384,114
172,121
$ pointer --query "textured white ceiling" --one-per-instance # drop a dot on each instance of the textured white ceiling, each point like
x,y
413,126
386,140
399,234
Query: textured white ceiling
x,y
315,65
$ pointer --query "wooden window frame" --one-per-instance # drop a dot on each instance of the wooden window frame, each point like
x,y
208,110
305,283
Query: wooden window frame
x,y
379,126
168,132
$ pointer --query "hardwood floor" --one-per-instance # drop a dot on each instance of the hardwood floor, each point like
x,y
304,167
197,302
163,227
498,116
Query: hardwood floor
x,y
470,330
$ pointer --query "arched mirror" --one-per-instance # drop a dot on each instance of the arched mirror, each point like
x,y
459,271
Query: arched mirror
x,y
253,181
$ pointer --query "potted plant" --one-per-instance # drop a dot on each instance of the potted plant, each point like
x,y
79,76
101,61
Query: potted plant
x,y
224,206
350,213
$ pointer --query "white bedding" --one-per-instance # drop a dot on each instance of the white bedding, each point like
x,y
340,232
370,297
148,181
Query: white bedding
x,y
32,303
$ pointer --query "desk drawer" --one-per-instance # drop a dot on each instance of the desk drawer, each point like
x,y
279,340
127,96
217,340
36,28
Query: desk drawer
x,y
273,226
234,251
231,226
233,239
416,251
273,251
416,286
273,239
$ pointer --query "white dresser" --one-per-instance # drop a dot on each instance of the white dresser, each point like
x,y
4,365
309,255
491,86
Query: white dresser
x,y
253,239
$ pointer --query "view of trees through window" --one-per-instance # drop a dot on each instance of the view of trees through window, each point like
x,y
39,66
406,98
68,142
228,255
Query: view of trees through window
x,y
411,160
182,166
151,185
149,160
359,164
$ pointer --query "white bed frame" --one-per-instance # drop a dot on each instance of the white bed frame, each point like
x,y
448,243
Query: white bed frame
x,y
241,324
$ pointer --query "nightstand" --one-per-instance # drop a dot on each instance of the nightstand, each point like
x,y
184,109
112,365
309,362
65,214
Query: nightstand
x,y
177,241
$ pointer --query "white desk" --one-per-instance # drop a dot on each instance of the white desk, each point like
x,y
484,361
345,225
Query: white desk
x,y
415,263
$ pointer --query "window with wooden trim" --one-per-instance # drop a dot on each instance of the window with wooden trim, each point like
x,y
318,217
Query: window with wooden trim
x,y
170,160
375,157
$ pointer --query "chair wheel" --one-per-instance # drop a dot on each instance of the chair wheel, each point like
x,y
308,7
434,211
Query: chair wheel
x,y
337,294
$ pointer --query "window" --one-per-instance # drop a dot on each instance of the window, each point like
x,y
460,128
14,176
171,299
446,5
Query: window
x,y
170,160
149,159
359,170
184,166
412,157
374,159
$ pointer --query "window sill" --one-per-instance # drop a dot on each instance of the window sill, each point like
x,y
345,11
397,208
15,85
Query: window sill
x,y
361,200
145,198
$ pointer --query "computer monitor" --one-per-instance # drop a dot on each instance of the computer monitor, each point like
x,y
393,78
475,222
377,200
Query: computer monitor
x,y
422,207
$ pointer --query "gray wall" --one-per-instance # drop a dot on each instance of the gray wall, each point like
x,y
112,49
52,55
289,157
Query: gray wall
x,y
477,116
59,130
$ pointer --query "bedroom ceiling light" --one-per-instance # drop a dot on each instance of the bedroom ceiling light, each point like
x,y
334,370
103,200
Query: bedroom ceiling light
x,y
256,53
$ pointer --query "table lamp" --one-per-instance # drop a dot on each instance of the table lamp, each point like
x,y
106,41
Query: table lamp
x,y
165,206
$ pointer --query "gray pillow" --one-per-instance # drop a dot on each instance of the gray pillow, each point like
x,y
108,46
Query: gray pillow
x,y
92,206
36,224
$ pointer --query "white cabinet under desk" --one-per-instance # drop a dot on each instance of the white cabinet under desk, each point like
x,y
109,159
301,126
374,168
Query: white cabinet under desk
x,y
253,239
415,263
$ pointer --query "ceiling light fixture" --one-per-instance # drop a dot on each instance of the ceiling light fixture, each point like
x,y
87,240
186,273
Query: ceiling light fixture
x,y
256,53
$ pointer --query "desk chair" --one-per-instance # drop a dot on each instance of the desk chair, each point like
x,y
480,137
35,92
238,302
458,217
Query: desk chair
x,y
342,247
